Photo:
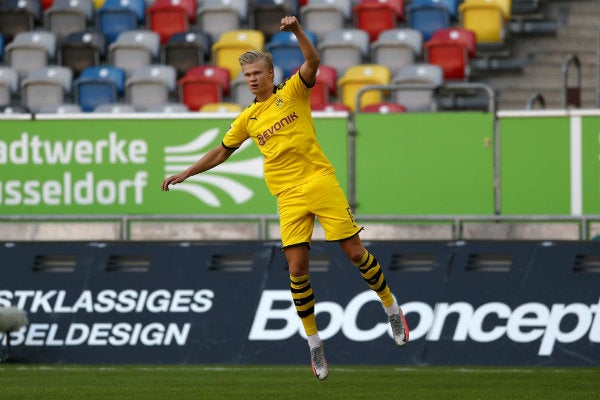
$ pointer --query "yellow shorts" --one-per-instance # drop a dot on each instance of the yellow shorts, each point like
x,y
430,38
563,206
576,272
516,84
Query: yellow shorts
x,y
323,198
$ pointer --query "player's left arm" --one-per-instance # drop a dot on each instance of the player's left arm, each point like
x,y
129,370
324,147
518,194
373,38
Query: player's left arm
x,y
308,70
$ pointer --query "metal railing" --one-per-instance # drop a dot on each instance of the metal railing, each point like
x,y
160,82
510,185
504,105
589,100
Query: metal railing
x,y
571,95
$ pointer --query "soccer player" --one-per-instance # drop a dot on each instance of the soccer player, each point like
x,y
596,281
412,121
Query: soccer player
x,y
279,121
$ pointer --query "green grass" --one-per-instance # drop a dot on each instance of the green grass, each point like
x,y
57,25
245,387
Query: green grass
x,y
87,382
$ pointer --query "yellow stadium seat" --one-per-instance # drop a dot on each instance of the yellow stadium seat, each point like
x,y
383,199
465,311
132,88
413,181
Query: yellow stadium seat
x,y
358,76
485,18
221,107
98,4
505,6
231,44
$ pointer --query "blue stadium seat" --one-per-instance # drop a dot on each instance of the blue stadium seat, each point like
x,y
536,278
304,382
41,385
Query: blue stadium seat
x,y
117,16
428,16
286,52
98,85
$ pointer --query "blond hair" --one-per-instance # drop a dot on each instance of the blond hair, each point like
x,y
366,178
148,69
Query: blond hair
x,y
253,56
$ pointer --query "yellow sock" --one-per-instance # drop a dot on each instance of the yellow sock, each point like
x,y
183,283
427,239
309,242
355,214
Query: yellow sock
x,y
371,272
304,301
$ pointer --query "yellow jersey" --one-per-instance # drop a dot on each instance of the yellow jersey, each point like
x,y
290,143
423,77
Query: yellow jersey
x,y
282,128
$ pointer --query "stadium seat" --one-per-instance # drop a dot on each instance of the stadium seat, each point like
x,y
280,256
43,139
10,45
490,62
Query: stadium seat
x,y
427,16
102,84
418,83
266,14
190,6
185,50
115,108
81,50
344,48
322,16
18,16
325,88
331,107
63,108
134,49
167,19
227,50
47,86
30,50
216,17
486,19
115,74
1,47
286,52
375,17
92,92
116,16
223,107
204,84
358,76
9,85
451,49
168,108
397,47
384,108
150,86
68,16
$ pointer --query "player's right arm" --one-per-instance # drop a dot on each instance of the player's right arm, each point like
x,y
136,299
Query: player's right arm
x,y
214,157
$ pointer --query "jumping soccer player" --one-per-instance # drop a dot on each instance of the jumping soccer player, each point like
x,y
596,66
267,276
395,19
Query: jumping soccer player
x,y
298,173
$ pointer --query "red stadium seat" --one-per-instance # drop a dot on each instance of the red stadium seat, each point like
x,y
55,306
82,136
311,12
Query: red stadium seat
x,y
167,19
203,84
190,7
384,108
374,18
451,49
220,74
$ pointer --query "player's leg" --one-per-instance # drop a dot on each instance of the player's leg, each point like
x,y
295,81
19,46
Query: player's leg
x,y
304,301
297,224
371,272
330,205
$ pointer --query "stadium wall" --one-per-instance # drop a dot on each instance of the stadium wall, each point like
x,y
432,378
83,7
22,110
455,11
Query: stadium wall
x,y
468,303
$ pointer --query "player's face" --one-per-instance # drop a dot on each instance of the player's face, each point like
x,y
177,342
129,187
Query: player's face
x,y
259,78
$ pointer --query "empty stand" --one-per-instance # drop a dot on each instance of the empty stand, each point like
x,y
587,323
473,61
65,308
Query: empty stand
x,y
286,51
331,107
427,16
9,85
203,84
63,108
452,49
486,19
30,50
117,16
227,50
47,86
18,16
397,47
416,85
168,108
167,18
344,48
68,16
115,108
185,50
102,84
359,76
81,50
223,107
376,16
384,108
266,14
322,16
134,49
216,17
151,85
